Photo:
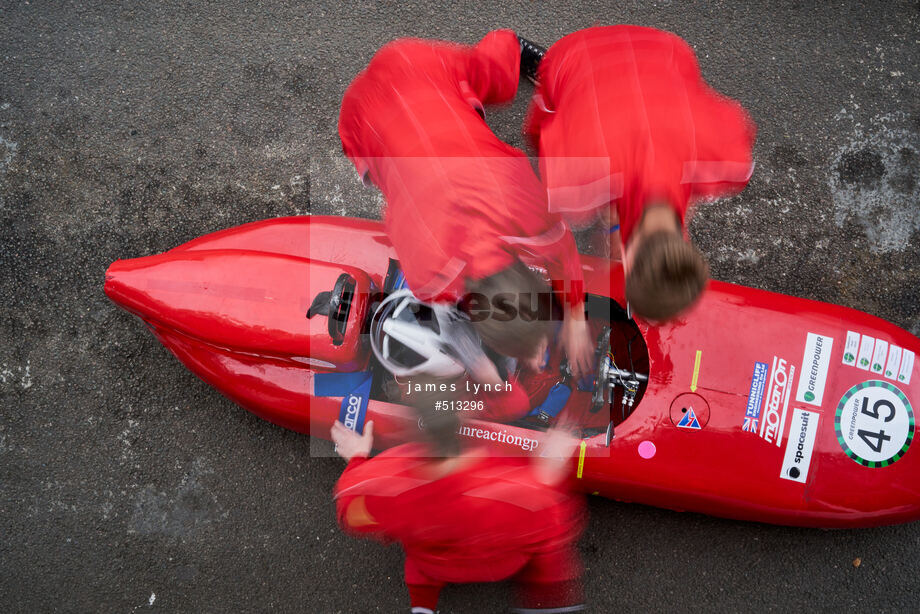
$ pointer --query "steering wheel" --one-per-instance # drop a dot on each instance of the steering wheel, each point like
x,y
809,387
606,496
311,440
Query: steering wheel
x,y
601,375
609,376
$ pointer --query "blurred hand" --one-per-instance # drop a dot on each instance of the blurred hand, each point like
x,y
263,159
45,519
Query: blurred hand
x,y
576,341
553,462
537,360
349,444
484,371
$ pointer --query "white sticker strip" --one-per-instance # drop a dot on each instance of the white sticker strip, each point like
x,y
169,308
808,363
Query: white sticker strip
x,y
851,349
894,361
815,362
786,394
907,366
878,357
865,352
800,445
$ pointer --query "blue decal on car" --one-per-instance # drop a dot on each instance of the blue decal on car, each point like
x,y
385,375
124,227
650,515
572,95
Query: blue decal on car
x,y
689,421
354,407
755,397
356,390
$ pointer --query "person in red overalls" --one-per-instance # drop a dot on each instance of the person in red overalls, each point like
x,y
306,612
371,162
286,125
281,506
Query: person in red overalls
x,y
462,207
465,515
623,122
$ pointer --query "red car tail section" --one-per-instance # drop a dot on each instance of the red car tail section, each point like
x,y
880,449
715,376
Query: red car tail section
x,y
243,301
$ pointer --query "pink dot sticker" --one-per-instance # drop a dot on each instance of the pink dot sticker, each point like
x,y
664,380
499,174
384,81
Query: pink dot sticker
x,y
647,449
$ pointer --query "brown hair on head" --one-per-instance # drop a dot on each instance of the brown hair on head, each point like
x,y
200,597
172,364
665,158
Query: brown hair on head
x,y
439,426
511,310
667,275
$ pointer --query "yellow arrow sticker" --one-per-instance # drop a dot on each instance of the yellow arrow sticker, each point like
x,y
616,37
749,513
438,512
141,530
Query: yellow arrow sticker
x,y
696,370
581,459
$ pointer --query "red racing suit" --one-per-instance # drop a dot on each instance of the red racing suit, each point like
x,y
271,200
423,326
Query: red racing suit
x,y
460,203
622,116
489,520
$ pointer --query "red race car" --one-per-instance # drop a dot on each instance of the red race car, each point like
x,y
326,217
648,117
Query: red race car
x,y
753,405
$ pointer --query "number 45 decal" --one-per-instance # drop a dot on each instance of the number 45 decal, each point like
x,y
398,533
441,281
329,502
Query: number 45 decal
x,y
875,440
874,423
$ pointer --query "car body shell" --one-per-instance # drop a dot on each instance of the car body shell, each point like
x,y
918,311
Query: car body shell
x,y
759,406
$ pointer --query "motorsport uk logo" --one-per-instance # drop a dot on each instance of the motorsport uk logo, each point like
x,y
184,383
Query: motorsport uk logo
x,y
815,363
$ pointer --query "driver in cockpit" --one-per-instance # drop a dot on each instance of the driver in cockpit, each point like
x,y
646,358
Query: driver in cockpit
x,y
433,349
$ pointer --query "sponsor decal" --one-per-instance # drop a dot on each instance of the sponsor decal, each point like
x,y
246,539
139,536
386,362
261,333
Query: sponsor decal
x,y
894,362
907,366
874,423
689,410
354,406
815,363
865,352
800,445
689,420
851,348
871,356
878,356
777,401
525,443
755,398
355,390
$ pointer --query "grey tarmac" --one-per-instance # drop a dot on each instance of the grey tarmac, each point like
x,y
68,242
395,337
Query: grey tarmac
x,y
128,485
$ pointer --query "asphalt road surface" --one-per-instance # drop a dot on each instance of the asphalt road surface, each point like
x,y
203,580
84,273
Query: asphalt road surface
x,y
127,485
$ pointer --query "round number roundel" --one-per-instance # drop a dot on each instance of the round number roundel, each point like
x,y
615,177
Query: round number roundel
x,y
874,423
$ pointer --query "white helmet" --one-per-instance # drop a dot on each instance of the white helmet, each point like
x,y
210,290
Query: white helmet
x,y
408,337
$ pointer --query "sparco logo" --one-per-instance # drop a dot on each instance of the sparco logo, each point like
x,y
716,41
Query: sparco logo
x,y
777,402
351,412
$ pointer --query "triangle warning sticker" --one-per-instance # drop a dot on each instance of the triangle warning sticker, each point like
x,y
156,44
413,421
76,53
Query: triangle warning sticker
x,y
689,420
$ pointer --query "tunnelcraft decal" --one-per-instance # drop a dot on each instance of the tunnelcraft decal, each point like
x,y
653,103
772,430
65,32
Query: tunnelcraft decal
x,y
755,397
874,423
